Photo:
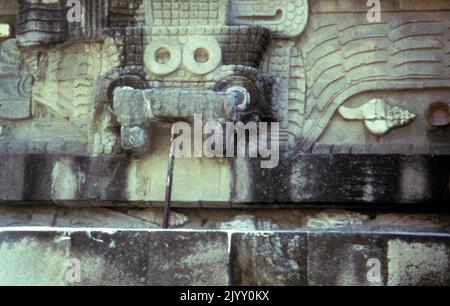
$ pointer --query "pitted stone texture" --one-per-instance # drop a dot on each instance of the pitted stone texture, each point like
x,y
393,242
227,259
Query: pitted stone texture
x,y
341,259
186,257
269,258
34,258
336,219
201,259
152,258
356,181
418,262
113,258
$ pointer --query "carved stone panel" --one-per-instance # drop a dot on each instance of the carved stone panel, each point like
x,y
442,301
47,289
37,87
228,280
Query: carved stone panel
x,y
110,86
15,83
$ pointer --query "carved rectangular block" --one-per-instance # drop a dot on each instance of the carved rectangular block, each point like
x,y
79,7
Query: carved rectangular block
x,y
341,259
269,259
151,258
62,256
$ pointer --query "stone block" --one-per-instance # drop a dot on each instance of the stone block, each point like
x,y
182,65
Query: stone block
x,y
344,259
34,258
269,258
419,261
152,258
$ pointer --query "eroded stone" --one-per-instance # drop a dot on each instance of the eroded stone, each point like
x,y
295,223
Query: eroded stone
x,y
269,258
418,262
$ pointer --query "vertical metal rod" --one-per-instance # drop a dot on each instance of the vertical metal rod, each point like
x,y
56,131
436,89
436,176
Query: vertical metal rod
x,y
169,184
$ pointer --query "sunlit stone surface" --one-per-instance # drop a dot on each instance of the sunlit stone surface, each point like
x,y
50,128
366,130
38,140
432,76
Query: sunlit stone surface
x,y
88,96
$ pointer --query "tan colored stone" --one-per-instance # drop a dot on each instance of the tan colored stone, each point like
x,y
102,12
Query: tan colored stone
x,y
156,217
335,219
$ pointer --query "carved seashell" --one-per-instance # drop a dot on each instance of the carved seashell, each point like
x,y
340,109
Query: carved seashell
x,y
378,117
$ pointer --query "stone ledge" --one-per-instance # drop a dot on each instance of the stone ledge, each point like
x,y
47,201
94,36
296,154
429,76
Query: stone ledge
x,y
420,181
109,257
153,257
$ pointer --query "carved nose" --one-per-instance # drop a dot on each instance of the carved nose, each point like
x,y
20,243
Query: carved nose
x,y
133,106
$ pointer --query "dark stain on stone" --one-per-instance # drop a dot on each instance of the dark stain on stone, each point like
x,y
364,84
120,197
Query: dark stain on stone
x,y
37,177
269,185
347,180
107,178
80,165
439,179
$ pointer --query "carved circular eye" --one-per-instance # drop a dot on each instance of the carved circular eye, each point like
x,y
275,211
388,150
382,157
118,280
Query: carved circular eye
x,y
242,96
439,114
202,55
162,56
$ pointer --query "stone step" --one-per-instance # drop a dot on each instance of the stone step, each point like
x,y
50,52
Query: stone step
x,y
61,256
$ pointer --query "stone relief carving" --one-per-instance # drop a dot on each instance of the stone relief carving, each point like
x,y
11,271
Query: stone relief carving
x,y
344,56
378,117
285,18
193,64
258,59
15,83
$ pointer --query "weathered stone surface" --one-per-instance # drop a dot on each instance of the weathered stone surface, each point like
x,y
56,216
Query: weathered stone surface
x,y
335,219
156,217
268,219
241,222
12,178
147,45
34,258
86,109
111,85
152,258
345,179
353,180
15,84
113,258
419,261
344,258
341,259
61,256
200,259
119,258
269,258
